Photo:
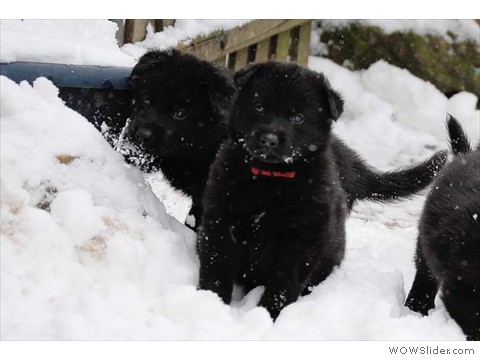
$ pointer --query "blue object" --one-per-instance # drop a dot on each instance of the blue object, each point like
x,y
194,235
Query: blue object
x,y
102,94
71,76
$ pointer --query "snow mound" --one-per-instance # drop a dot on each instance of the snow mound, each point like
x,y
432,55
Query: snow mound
x,y
401,118
81,42
87,250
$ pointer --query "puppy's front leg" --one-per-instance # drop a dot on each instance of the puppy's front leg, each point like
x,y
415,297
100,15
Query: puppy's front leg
x,y
289,277
421,297
216,249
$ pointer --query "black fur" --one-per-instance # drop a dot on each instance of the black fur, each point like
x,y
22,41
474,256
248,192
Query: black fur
x,y
448,246
287,234
177,122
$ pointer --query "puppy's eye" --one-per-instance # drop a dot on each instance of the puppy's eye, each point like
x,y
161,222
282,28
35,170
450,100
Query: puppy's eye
x,y
179,114
146,100
297,119
259,108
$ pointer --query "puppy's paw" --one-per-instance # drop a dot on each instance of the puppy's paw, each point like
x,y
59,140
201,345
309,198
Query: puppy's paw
x,y
274,303
419,305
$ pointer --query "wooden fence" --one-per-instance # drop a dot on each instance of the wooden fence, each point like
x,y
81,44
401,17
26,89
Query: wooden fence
x,y
256,41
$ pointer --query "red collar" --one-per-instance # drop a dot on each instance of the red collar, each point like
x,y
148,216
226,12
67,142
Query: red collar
x,y
279,174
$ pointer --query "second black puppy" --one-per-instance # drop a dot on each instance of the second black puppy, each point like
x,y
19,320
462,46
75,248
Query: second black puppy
x,y
177,120
274,208
448,247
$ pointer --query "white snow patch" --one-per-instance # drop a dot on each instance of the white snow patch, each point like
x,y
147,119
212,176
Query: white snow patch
x,y
81,42
385,99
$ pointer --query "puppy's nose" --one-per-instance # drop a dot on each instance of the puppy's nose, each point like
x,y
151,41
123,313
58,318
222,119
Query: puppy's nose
x,y
143,134
269,140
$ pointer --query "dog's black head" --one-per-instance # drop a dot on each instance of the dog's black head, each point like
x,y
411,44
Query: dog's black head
x,y
180,103
283,112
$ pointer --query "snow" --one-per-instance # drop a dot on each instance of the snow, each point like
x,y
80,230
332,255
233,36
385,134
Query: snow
x,y
89,252
106,245
462,30
95,43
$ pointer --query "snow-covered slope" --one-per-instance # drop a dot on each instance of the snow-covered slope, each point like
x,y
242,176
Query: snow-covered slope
x,y
88,252
84,243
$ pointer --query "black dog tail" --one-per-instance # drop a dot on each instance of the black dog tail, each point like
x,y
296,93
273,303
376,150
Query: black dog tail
x,y
458,139
401,183
363,182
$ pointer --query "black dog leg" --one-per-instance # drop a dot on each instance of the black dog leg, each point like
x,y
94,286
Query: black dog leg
x,y
219,254
288,280
286,283
424,288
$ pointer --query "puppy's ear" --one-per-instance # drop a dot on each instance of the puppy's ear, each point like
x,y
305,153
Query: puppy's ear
x,y
149,61
335,101
242,76
221,92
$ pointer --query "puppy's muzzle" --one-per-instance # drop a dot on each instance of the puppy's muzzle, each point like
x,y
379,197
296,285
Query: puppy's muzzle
x,y
143,135
269,140
267,145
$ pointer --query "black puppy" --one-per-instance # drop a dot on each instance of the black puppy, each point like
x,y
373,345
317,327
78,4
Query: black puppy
x,y
281,186
177,120
448,247
274,209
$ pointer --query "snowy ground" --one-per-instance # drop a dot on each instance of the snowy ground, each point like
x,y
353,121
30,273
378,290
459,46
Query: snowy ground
x,y
88,251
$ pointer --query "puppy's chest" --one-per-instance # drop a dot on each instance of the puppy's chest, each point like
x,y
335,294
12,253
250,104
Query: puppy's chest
x,y
258,232
256,195
264,227
260,239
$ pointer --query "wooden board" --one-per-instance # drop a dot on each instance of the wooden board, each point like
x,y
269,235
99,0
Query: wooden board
x,y
222,43
241,59
283,43
135,30
303,51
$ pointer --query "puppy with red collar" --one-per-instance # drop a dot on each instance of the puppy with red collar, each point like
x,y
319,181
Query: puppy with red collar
x,y
282,185
274,209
